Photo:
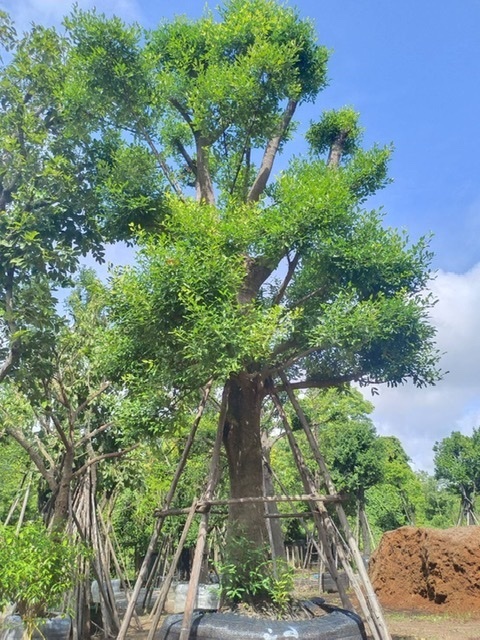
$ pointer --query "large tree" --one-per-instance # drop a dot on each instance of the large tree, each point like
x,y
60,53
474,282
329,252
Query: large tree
x,y
243,274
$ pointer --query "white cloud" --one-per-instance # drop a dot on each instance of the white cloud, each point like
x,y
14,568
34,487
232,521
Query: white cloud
x,y
421,417
51,12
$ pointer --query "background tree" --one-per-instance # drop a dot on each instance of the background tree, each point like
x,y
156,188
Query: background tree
x,y
353,450
399,499
441,509
242,281
16,482
457,463
47,203
56,408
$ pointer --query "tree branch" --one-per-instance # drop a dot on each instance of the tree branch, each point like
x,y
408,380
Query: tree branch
x,y
204,186
103,387
34,456
292,265
14,350
104,456
317,384
270,154
61,432
336,150
89,436
186,156
167,172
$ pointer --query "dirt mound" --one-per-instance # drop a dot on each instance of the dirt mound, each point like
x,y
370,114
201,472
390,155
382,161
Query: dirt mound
x,y
428,569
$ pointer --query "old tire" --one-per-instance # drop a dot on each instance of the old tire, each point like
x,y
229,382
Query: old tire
x,y
337,625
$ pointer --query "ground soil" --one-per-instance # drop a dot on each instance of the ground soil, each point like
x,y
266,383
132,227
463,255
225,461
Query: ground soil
x,y
427,580
430,570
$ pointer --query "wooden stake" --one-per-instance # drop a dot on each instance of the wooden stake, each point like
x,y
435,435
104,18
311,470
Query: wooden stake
x,y
373,609
142,575
213,478
320,514
162,597
118,569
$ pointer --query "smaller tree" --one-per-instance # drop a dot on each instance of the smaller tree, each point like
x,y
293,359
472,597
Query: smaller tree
x,y
440,504
38,568
352,448
457,463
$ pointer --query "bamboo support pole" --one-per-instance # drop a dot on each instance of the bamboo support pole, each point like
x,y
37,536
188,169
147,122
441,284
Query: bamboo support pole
x,y
118,569
203,504
142,575
320,514
152,577
162,597
24,504
213,478
108,604
375,615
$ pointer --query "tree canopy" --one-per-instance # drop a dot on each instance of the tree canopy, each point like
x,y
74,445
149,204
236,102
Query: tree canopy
x,y
457,463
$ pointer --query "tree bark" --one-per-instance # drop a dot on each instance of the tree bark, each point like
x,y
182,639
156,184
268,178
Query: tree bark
x,y
62,499
365,531
203,185
242,441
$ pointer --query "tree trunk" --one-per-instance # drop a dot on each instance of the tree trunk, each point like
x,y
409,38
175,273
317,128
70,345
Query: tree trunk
x,y
242,441
62,499
365,531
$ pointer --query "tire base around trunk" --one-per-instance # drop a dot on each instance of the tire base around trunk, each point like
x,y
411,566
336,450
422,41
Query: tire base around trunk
x,y
337,625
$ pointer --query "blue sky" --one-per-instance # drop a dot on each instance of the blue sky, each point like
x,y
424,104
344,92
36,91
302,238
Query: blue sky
x,y
412,70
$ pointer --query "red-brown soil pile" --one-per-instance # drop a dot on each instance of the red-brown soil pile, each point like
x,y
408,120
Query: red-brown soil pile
x,y
428,569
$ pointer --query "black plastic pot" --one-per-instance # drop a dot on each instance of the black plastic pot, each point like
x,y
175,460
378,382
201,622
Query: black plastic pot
x,y
336,625
57,628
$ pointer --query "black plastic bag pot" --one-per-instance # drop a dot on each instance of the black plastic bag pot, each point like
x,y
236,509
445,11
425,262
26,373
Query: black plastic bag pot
x,y
57,628
337,625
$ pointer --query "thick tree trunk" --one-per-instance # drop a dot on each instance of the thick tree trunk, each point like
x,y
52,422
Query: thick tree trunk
x,y
242,441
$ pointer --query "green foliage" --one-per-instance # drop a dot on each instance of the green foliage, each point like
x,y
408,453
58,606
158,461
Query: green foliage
x,y
457,465
333,126
255,580
441,508
399,499
38,568
457,461
14,466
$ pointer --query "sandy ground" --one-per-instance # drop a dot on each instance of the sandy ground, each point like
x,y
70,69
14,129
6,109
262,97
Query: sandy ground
x,y
402,626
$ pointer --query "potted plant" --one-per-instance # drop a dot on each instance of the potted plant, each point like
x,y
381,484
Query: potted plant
x,y
37,570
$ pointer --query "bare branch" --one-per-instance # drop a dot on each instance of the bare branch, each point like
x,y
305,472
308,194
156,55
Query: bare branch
x,y
317,384
103,387
270,153
312,294
60,430
89,436
292,265
104,456
43,451
204,186
167,172
34,456
187,157
336,150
